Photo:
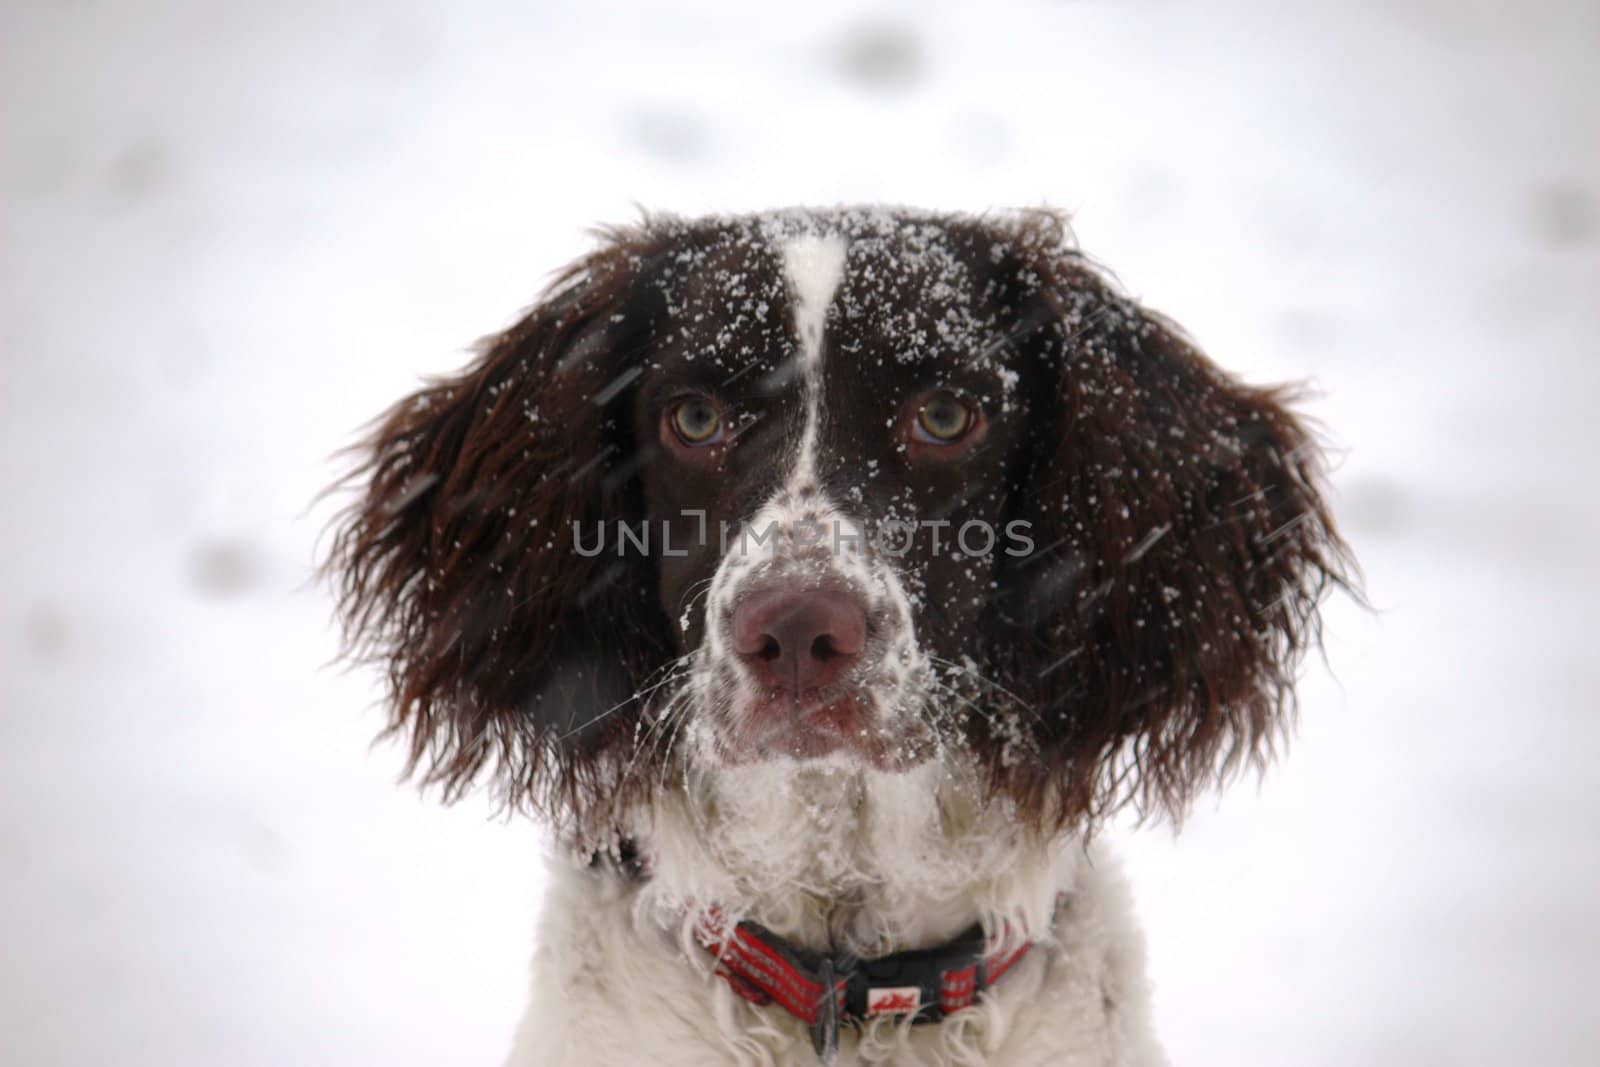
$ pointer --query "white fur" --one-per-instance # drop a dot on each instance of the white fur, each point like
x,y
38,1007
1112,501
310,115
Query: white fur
x,y
829,852
814,267
869,860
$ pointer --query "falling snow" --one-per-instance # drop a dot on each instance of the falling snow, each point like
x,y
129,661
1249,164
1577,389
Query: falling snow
x,y
233,240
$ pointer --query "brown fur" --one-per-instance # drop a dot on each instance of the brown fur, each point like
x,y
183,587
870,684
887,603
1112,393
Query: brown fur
x,y
1140,670
1155,667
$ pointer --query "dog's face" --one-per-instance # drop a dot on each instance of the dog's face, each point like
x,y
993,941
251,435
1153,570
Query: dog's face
x,y
826,440
877,487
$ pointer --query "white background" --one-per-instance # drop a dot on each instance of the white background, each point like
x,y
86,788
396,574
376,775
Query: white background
x,y
229,234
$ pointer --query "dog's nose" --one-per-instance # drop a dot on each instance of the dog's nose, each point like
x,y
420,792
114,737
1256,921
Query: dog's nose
x,y
797,641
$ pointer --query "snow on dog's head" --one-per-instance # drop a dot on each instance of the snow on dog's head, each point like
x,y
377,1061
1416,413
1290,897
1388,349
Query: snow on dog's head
x,y
862,487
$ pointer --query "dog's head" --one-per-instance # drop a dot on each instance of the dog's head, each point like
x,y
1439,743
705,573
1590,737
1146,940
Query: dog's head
x,y
880,487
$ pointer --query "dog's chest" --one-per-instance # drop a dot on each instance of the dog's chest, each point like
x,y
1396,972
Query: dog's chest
x,y
614,987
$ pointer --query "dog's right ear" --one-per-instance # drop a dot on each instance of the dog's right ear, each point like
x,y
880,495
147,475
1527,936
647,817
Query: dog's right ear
x,y
456,566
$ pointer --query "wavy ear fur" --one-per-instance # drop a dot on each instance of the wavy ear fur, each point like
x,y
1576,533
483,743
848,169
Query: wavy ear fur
x,y
455,569
1182,550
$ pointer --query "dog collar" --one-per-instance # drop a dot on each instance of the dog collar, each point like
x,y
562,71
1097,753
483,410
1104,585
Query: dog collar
x,y
826,991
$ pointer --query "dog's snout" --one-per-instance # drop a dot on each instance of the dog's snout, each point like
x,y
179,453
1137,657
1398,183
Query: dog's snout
x,y
799,641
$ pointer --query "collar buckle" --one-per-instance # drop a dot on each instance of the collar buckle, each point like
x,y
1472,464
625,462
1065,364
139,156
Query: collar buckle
x,y
825,1030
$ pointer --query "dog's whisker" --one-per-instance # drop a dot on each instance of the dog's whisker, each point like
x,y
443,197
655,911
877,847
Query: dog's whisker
x,y
970,672
675,707
636,696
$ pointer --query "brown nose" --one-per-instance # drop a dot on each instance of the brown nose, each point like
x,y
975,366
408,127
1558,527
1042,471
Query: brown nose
x,y
798,641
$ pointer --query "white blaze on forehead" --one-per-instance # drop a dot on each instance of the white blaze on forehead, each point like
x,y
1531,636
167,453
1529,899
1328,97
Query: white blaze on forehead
x,y
814,267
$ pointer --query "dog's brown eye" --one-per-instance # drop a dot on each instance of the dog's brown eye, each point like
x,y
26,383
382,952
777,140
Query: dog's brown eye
x,y
697,421
943,420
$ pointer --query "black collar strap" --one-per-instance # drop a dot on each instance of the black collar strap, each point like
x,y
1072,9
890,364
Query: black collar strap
x,y
825,991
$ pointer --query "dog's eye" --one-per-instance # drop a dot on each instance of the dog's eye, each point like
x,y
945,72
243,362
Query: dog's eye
x,y
944,419
697,421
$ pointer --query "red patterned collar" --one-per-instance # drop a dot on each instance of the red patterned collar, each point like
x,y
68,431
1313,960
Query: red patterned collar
x,y
825,991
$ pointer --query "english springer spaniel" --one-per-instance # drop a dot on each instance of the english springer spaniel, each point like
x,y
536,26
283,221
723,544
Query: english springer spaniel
x,y
824,578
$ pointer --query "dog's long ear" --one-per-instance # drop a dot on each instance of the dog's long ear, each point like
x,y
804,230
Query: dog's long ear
x,y
1182,548
456,567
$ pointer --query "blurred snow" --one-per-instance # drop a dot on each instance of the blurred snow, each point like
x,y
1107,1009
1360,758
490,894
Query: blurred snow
x,y
231,233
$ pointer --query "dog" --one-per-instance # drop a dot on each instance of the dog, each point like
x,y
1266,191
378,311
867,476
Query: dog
x,y
824,579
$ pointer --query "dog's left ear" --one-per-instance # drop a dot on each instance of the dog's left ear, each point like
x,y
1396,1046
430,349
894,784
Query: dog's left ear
x,y
1182,548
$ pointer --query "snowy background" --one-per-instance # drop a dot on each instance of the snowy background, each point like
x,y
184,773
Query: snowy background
x,y
231,233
